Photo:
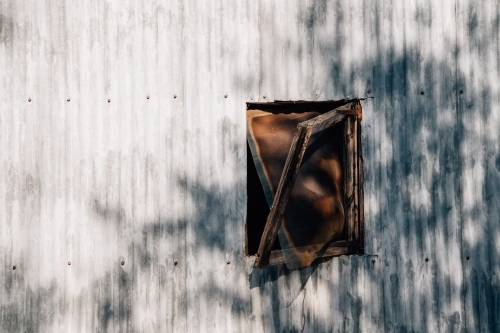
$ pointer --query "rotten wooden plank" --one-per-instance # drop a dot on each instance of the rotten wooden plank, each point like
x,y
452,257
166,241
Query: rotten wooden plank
x,y
323,121
355,209
349,177
361,204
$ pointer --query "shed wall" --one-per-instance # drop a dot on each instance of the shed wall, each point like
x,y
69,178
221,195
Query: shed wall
x,y
94,173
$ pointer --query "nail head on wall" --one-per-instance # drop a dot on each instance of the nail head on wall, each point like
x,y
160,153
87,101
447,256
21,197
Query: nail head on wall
x,y
422,93
467,258
147,97
461,91
69,263
29,99
14,267
369,91
175,262
68,99
426,259
228,262
122,262
225,95
175,96
109,100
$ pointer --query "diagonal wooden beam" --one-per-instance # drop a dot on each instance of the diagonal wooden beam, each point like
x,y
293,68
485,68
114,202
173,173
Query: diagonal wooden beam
x,y
290,171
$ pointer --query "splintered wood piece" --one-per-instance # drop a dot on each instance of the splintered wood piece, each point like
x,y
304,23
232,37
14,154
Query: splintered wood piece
x,y
350,177
323,121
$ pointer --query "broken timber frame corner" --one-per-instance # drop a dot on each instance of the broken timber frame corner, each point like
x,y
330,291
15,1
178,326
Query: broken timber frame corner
x,y
351,109
352,162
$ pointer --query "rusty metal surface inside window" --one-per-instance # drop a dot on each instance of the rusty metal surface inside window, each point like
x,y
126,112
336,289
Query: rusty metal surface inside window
x,y
314,214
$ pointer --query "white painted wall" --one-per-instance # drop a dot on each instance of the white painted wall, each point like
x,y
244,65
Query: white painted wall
x,y
152,181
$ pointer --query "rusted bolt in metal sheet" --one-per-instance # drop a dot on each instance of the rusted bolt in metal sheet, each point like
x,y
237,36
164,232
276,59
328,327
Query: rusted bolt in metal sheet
x,y
422,93
228,262
175,262
14,267
29,99
122,262
69,263
426,259
461,91
225,95
69,99
467,258
175,96
109,100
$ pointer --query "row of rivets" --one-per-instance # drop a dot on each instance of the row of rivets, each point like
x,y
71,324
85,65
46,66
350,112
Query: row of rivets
x,y
227,262
225,96
426,259
121,262
109,99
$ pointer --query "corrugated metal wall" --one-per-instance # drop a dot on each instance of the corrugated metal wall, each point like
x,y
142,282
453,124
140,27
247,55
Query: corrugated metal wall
x,y
95,174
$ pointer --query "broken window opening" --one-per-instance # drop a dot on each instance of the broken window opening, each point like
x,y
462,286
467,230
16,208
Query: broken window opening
x,y
304,181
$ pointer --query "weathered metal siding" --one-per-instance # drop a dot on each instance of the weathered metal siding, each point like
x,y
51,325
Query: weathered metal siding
x,y
154,181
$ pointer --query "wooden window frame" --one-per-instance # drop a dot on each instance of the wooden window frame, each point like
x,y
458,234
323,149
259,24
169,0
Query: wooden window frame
x,y
350,114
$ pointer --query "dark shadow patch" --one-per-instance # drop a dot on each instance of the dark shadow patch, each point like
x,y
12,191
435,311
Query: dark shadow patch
x,y
32,311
